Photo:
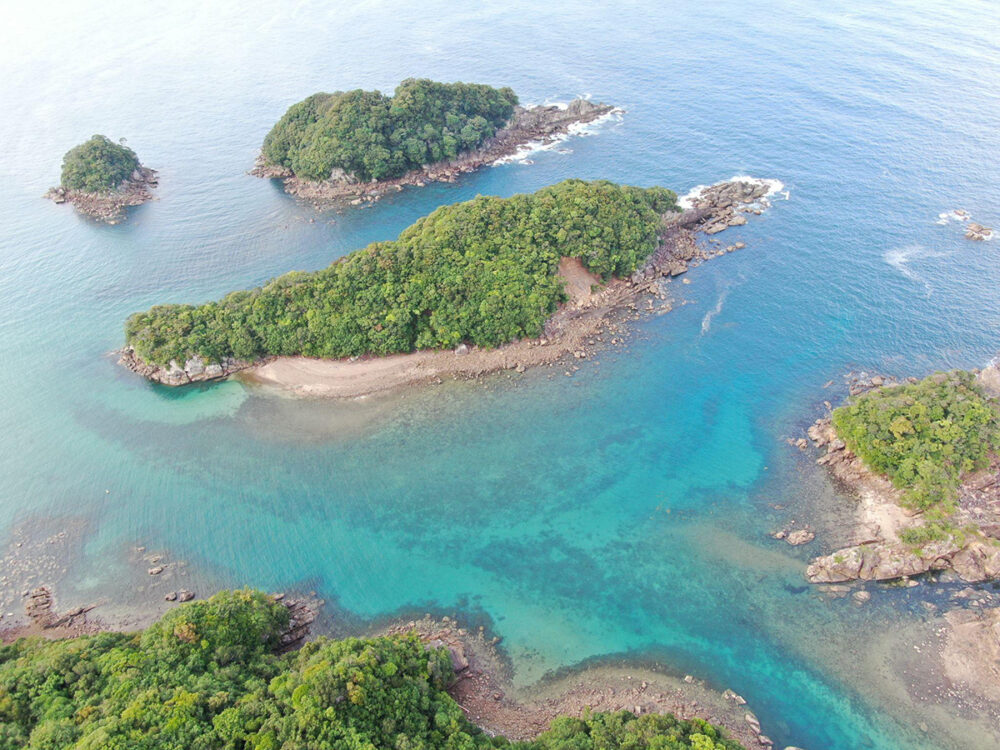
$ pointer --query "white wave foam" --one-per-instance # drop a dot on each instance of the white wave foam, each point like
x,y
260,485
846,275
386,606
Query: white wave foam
x,y
901,257
523,153
686,201
706,322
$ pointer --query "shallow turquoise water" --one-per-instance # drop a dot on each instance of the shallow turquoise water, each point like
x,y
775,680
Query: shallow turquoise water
x,y
623,512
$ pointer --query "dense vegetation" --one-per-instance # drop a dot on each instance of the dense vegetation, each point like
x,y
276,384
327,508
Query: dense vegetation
x,y
924,436
373,136
206,677
482,272
98,165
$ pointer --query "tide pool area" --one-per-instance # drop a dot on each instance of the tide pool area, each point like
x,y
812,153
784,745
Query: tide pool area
x,y
621,515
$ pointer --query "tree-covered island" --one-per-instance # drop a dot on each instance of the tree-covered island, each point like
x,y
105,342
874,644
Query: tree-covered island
x,y
923,455
479,274
101,178
210,676
357,144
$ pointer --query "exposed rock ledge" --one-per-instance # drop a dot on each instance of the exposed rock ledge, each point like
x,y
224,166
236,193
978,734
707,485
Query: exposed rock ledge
x,y
878,553
194,370
591,319
537,124
110,207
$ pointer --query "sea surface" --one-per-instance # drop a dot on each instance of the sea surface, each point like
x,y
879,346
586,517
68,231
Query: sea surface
x,y
622,514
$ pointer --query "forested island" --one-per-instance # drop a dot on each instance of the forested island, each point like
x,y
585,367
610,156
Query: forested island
x,y
471,276
101,178
212,675
922,456
356,145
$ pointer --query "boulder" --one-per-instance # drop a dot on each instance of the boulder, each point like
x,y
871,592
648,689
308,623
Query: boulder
x,y
978,561
184,595
801,536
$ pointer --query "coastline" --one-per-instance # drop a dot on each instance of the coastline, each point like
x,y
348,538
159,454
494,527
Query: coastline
x,y
589,320
482,684
110,207
877,551
541,124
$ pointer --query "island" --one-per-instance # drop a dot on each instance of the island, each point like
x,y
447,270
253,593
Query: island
x,y
101,178
221,674
921,456
355,146
476,287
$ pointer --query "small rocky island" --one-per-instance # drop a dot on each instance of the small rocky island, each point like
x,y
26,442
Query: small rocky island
x,y
355,146
477,287
101,178
921,457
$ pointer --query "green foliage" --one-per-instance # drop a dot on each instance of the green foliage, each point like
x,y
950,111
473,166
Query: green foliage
x,y
625,730
483,271
924,436
98,165
205,677
374,137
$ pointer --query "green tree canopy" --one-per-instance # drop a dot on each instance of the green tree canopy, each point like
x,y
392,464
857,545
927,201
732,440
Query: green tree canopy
x,y
924,436
373,136
206,677
98,165
483,272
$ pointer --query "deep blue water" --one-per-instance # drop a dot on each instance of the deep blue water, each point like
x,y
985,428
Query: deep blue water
x,y
622,512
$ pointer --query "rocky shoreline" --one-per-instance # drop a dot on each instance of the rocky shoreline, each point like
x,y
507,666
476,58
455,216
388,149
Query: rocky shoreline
x,y
878,551
535,125
482,685
483,688
195,370
589,320
110,207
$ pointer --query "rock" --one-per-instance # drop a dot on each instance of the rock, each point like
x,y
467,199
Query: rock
x,y
155,570
878,380
462,349
801,536
737,220
978,561
861,596
171,597
184,595
978,232
989,378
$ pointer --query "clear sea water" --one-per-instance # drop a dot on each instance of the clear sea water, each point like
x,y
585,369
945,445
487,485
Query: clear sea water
x,y
622,513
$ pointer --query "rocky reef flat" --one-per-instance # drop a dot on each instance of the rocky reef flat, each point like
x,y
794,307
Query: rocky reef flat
x,y
110,206
541,124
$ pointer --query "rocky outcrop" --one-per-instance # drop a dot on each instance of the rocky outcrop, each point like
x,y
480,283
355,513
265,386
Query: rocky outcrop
x,y
195,370
110,207
977,232
528,125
